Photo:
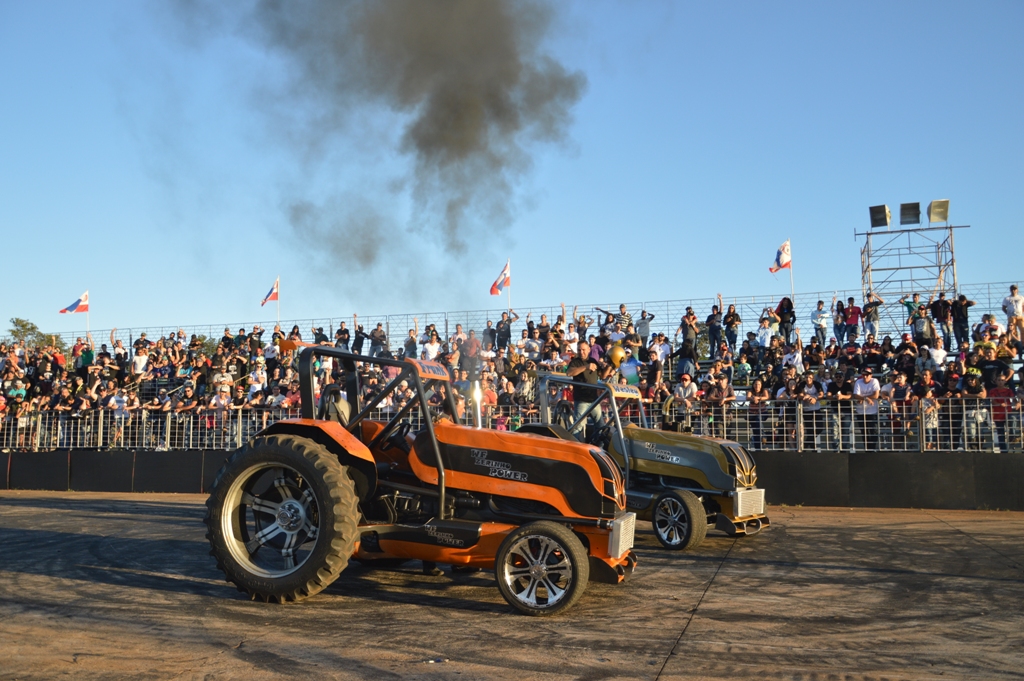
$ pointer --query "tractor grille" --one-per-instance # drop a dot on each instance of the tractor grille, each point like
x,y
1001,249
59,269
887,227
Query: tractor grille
x,y
749,502
621,538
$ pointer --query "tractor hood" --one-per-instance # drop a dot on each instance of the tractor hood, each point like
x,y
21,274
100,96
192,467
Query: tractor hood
x,y
719,464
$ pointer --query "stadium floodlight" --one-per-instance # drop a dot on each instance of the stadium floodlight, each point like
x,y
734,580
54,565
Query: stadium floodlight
x,y
938,211
880,216
910,213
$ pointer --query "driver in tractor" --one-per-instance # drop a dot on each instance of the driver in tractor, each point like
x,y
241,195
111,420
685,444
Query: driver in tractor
x,y
585,370
682,483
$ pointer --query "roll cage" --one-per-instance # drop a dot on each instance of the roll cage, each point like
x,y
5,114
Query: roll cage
x,y
424,376
612,392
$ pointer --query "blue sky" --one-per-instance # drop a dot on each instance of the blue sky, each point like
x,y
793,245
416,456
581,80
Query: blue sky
x,y
150,161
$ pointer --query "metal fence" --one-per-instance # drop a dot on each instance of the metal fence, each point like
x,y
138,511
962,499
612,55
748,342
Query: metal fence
x,y
667,315
953,425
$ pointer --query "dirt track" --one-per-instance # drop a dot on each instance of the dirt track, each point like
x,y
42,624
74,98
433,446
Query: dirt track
x,y
97,586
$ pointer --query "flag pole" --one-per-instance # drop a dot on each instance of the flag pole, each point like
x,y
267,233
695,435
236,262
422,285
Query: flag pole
x,y
509,263
279,299
792,289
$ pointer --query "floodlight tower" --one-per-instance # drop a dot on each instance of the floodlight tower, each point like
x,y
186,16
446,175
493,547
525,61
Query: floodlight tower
x,y
899,262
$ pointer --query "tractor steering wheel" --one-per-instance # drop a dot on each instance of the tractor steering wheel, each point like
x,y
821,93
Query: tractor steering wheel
x,y
600,436
398,435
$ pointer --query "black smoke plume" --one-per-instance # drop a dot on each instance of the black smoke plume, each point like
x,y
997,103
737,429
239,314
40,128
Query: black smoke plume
x,y
469,80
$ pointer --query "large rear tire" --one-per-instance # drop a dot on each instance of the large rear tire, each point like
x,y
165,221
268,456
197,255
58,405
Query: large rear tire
x,y
679,520
282,519
542,568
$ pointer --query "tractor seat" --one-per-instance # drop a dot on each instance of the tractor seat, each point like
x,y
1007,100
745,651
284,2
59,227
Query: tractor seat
x,y
338,408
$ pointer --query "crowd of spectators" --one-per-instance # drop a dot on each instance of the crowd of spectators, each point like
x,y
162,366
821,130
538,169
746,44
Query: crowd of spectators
x,y
704,365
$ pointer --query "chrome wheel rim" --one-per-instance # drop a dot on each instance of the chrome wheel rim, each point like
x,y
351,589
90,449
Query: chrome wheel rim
x,y
271,520
537,571
670,521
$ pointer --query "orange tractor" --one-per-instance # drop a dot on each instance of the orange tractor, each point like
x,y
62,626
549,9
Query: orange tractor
x,y
294,504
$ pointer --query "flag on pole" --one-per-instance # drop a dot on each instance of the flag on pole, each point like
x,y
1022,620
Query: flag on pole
x,y
504,279
782,258
273,292
80,305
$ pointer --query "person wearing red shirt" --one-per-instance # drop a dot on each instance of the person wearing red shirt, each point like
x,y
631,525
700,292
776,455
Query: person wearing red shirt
x,y
1002,399
851,315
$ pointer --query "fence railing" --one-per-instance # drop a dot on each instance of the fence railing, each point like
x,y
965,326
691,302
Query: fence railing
x,y
960,424
954,425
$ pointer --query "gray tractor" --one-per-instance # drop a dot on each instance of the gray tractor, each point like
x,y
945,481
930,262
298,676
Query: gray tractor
x,y
682,483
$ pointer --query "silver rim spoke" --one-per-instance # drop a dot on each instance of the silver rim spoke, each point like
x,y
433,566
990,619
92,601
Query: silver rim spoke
x,y
262,505
537,562
262,537
281,484
554,593
671,522
310,529
271,507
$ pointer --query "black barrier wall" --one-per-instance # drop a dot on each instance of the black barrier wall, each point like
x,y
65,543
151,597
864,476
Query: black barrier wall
x,y
90,470
948,480
168,471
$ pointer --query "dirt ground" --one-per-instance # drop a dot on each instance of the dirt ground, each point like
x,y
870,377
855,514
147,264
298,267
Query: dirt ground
x,y
101,586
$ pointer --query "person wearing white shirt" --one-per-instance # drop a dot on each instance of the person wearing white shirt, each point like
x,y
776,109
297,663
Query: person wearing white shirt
x,y
990,323
277,398
685,392
459,335
820,319
939,353
866,392
1013,306
221,400
764,334
795,358
533,345
257,379
271,355
571,336
139,362
432,348
660,347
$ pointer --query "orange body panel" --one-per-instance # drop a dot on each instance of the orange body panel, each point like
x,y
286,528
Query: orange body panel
x,y
519,443
429,370
393,455
480,555
336,432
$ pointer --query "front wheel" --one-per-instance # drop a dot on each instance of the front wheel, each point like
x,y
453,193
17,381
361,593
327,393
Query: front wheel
x,y
679,520
542,568
282,519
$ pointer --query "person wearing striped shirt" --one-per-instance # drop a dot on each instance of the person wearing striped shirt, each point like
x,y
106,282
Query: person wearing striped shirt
x,y
623,318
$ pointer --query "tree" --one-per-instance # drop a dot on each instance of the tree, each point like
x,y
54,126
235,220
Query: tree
x,y
209,345
26,332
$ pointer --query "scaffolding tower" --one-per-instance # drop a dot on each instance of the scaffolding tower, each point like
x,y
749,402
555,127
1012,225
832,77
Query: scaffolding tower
x,y
900,262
